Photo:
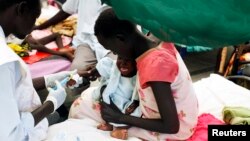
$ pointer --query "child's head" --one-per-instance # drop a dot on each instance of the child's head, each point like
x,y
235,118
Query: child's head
x,y
21,15
115,34
127,67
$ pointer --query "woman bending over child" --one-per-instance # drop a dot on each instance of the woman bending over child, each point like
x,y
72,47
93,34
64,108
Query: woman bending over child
x,y
166,95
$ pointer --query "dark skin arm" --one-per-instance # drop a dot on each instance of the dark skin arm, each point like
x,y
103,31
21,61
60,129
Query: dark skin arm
x,y
47,108
40,45
45,40
38,83
60,16
168,123
90,73
43,111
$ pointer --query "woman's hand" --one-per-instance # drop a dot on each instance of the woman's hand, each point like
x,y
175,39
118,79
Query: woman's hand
x,y
110,112
168,123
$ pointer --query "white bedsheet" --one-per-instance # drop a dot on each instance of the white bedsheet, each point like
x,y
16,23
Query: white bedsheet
x,y
216,92
80,130
213,94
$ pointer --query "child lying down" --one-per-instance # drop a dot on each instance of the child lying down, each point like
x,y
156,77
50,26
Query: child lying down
x,y
29,43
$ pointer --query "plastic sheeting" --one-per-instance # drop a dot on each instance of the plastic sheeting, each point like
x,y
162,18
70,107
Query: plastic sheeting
x,y
212,23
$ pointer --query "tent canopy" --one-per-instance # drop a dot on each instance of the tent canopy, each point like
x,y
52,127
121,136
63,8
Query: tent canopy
x,y
212,23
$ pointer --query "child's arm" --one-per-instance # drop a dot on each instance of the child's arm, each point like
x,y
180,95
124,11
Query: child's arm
x,y
102,68
90,72
168,123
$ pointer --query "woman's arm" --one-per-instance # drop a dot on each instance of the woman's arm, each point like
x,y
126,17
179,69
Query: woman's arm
x,y
168,123
39,83
60,16
43,111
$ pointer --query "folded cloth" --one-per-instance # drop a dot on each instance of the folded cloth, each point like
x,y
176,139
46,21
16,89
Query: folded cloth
x,y
236,115
240,121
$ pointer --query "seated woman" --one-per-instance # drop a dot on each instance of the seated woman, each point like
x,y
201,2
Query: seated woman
x,y
167,98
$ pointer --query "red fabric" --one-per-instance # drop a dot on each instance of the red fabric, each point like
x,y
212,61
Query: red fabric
x,y
38,34
158,64
201,130
35,58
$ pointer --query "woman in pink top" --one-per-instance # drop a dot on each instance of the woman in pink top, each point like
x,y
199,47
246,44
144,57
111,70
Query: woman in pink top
x,y
167,98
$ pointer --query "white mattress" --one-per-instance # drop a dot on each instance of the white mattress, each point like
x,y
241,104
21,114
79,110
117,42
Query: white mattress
x,y
213,94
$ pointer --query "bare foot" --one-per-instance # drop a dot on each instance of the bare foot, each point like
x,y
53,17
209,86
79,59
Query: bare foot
x,y
120,133
105,127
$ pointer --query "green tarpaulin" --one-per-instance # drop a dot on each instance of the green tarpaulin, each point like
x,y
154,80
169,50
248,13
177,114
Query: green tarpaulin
x,y
212,23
